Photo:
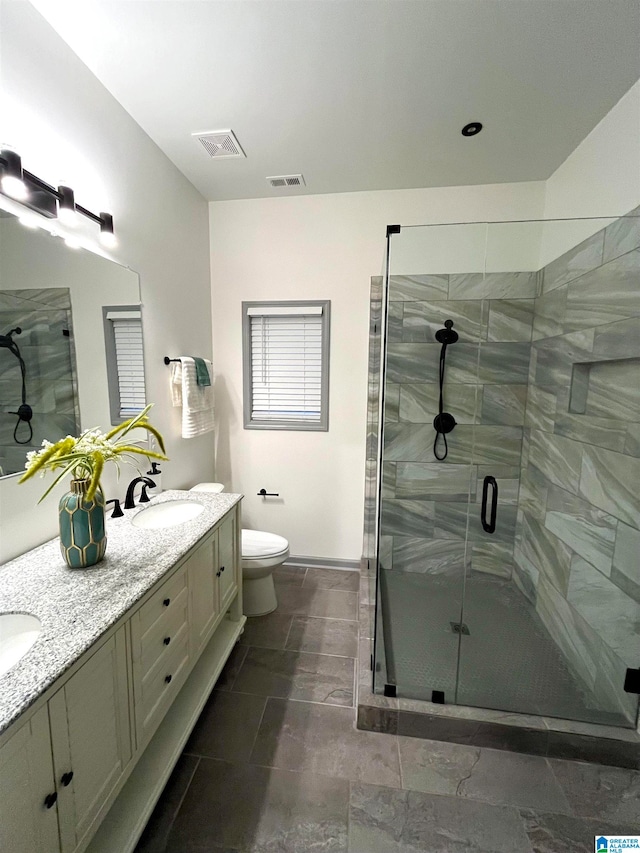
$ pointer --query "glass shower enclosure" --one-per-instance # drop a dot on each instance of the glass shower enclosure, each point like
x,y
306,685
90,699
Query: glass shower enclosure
x,y
502,511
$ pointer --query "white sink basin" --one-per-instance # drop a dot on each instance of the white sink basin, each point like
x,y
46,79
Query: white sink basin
x,y
167,514
18,632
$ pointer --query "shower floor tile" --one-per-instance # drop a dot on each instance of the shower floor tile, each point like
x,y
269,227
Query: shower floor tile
x,y
505,637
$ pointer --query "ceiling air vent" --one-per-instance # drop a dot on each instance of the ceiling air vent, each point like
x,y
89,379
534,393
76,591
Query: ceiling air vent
x,y
220,144
287,181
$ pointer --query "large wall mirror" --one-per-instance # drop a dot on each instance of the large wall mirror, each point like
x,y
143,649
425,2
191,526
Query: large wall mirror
x,y
56,364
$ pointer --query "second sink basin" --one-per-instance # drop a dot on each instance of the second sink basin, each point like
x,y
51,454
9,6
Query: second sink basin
x,y
167,514
18,632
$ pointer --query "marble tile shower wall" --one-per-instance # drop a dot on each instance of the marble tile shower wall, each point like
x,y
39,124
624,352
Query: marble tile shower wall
x,y
577,551
429,504
45,319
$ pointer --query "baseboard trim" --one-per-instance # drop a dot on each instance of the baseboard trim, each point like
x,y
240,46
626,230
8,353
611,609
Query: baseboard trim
x,y
323,563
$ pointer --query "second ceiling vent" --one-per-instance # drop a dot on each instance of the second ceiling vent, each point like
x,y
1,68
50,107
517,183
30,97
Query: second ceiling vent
x,y
279,181
220,144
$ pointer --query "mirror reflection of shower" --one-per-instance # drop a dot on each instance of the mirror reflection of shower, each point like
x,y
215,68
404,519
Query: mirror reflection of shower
x,y
24,412
444,422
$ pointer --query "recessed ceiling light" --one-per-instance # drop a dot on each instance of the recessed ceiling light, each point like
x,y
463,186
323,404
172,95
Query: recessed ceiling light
x,y
472,128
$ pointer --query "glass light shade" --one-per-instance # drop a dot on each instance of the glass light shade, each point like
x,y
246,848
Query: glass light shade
x,y
14,187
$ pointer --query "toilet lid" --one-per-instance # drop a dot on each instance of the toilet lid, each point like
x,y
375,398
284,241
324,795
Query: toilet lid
x,y
257,543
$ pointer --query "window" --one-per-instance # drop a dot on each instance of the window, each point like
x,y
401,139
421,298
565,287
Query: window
x,y
286,365
125,361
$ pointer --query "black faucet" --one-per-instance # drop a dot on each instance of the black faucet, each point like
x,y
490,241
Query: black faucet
x,y
117,511
129,501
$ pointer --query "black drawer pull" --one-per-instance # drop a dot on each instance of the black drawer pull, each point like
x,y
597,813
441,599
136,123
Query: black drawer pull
x,y
222,568
66,778
166,641
167,602
168,679
218,574
50,800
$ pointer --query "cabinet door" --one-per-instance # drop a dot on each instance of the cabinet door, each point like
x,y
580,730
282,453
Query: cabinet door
x,y
228,562
203,588
26,781
91,736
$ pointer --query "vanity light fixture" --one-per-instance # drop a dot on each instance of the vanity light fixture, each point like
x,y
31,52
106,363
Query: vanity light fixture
x,y
107,237
41,197
66,205
13,183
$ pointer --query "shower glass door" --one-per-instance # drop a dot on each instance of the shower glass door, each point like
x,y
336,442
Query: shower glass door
x,y
507,570
426,491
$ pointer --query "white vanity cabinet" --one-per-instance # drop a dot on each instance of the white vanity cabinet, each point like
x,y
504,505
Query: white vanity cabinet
x,y
229,562
214,571
84,770
91,740
28,796
160,651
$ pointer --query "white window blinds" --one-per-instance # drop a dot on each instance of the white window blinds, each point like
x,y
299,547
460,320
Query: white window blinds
x,y
127,336
287,365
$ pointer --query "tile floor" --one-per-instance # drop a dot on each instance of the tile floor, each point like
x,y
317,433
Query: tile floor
x,y
276,765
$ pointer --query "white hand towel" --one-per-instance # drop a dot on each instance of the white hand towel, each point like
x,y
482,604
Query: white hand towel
x,y
176,383
197,400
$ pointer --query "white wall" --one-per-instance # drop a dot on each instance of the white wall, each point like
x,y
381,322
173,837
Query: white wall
x,y
600,178
69,128
318,247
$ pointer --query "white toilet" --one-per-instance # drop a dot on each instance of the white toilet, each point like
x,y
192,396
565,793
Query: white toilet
x,y
261,554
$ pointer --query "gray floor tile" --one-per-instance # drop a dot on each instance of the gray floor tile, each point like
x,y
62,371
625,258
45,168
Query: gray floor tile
x,y
435,767
324,636
227,726
597,791
307,601
384,820
154,838
289,574
513,779
231,668
321,739
332,579
261,810
553,833
268,632
297,675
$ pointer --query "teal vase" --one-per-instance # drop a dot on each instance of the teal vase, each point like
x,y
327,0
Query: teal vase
x,y
83,539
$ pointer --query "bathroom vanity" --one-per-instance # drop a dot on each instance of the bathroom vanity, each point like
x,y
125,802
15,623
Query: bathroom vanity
x,y
96,713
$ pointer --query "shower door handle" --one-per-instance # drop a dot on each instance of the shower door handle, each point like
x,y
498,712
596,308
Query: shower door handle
x,y
490,525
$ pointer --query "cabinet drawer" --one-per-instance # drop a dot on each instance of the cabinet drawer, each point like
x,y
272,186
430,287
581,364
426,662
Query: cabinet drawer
x,y
160,685
163,601
163,633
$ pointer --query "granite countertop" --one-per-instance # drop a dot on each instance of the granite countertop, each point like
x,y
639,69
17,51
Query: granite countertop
x,y
77,606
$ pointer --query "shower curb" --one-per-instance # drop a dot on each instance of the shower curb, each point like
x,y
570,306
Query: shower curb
x,y
623,751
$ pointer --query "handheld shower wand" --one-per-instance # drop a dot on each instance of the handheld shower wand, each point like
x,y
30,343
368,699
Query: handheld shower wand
x,y
444,422
25,412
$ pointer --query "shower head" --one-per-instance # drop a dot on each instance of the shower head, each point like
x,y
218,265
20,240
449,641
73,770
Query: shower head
x,y
447,335
7,340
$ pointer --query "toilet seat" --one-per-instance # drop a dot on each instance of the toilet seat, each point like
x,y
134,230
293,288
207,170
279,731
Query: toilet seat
x,y
259,545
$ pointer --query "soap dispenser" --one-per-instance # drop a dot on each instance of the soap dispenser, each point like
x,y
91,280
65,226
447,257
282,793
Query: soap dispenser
x,y
156,475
